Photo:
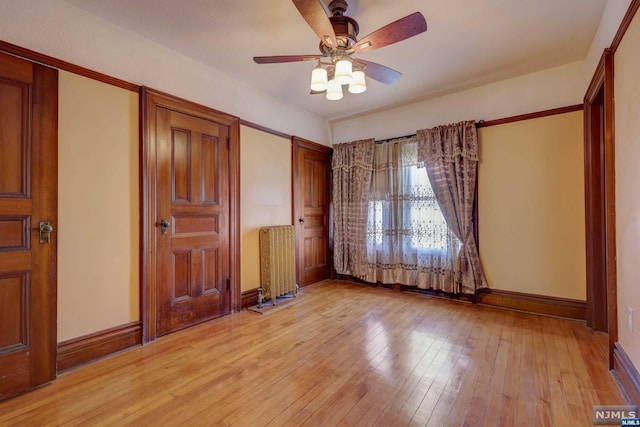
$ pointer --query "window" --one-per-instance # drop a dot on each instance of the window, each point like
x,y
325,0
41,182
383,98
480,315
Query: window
x,y
403,210
429,229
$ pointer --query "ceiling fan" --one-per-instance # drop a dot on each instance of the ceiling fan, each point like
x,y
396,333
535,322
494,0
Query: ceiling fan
x,y
338,42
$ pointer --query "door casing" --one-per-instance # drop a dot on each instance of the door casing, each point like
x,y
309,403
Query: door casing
x,y
150,100
600,220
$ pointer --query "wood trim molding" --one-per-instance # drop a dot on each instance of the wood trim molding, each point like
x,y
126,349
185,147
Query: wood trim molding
x,y
627,375
593,192
624,25
597,80
535,115
264,129
531,303
66,66
310,145
150,100
234,216
603,82
88,348
249,298
182,105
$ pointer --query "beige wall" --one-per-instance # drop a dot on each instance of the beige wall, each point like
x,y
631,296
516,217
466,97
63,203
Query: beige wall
x,y
627,158
531,206
98,261
265,191
98,207
542,90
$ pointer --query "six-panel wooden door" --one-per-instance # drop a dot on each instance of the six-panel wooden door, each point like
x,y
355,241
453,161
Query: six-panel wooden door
x,y
312,177
28,200
193,220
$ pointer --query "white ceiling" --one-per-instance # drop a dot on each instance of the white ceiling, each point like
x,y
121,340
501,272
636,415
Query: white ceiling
x,y
468,42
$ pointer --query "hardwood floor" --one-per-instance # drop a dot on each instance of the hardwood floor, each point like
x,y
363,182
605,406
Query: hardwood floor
x,y
344,354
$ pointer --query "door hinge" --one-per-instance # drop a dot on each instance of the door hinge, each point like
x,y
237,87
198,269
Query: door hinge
x,y
229,284
228,143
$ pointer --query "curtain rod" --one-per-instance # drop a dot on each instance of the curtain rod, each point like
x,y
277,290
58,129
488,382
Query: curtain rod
x,y
382,141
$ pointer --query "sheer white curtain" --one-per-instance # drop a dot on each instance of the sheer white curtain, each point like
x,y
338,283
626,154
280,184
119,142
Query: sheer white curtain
x,y
408,241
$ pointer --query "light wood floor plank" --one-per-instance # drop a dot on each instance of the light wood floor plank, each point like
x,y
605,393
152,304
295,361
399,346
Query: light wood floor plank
x,y
342,355
432,330
445,379
499,369
464,400
559,406
485,372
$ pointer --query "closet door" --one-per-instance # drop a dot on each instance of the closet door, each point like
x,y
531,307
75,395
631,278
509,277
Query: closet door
x,y
312,198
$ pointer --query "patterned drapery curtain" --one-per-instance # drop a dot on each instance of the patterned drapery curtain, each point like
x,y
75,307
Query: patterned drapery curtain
x,y
450,154
351,165
408,241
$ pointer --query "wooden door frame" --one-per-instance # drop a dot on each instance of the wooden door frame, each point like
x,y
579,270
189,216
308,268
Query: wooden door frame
x,y
298,143
602,81
150,100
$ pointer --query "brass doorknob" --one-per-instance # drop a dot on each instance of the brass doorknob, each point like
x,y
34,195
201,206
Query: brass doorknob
x,y
164,225
45,229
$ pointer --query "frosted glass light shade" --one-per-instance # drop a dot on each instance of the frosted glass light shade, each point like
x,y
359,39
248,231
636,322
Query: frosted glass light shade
x,y
358,84
319,79
334,91
343,72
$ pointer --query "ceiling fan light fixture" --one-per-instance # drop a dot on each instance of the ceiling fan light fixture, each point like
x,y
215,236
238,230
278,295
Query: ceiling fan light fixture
x,y
344,70
338,41
319,79
334,90
358,84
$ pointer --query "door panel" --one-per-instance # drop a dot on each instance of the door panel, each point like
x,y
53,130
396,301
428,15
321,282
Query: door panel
x,y
193,196
312,171
28,195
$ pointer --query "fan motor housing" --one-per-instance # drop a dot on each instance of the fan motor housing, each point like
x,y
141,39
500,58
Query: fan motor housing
x,y
346,29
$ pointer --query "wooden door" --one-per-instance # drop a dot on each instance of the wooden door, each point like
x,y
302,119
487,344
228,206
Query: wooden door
x,y
312,177
190,222
28,197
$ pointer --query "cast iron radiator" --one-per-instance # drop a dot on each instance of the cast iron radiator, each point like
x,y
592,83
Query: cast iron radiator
x,y
277,263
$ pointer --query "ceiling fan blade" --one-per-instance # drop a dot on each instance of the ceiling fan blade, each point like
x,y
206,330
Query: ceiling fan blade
x,y
317,92
379,72
313,12
286,58
394,32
